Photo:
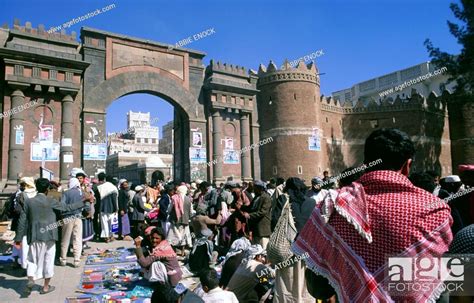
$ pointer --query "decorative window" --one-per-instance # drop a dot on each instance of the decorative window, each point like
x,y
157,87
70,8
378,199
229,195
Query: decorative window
x,y
18,70
300,170
53,74
69,76
36,72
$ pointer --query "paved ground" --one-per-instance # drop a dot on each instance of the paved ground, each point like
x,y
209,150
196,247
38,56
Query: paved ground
x,y
65,279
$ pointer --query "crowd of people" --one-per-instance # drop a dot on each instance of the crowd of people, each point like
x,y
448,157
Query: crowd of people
x,y
241,239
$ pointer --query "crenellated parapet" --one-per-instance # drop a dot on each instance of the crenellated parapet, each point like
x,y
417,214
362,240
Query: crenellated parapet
x,y
216,66
432,103
302,72
41,31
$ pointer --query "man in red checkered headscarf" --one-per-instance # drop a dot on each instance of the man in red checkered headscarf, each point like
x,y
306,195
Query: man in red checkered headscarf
x,y
352,234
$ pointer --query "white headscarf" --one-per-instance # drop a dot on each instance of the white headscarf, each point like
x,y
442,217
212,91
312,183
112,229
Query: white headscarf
x,y
120,182
182,190
253,251
74,182
238,246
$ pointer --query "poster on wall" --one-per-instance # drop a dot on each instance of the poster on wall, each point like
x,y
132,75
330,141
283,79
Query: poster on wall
x,y
231,157
314,142
52,152
197,139
19,137
45,135
229,143
95,151
197,155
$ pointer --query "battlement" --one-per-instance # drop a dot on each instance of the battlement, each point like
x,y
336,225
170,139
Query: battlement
x,y
226,68
431,103
41,31
301,72
301,67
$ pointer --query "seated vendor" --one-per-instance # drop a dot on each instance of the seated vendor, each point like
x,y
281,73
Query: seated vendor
x,y
162,264
246,282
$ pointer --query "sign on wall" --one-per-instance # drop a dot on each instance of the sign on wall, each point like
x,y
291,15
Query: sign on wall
x,y
229,143
19,136
51,152
45,135
231,157
95,151
314,142
197,155
197,139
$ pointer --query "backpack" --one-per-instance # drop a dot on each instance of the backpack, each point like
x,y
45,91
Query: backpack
x,y
279,244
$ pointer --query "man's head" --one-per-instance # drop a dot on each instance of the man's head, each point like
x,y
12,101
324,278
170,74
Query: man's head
x,y
203,186
156,236
280,181
170,189
124,185
255,252
466,172
101,177
325,174
452,183
42,185
316,183
22,185
81,177
259,187
209,279
434,175
393,147
423,180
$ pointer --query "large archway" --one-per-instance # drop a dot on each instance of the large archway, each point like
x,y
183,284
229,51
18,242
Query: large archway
x,y
127,66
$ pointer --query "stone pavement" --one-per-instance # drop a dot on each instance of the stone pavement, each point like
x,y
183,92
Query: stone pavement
x,y
65,279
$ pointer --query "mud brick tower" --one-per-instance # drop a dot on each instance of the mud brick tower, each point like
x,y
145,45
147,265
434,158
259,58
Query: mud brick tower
x,y
289,107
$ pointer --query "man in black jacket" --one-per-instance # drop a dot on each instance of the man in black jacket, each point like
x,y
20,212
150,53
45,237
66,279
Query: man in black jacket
x,y
260,215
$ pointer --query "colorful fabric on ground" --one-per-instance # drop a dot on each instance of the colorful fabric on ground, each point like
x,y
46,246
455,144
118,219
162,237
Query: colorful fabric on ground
x,y
383,216
112,256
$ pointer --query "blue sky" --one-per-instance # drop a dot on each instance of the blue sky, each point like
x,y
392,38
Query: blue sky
x,y
360,39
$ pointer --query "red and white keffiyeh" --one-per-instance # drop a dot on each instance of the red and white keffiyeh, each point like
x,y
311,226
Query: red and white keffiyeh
x,y
352,233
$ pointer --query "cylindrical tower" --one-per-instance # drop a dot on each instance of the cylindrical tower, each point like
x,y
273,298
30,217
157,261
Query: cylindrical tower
x,y
289,112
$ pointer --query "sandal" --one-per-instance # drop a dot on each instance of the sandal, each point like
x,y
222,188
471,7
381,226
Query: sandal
x,y
50,289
